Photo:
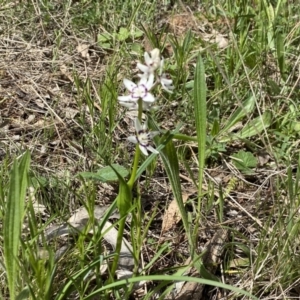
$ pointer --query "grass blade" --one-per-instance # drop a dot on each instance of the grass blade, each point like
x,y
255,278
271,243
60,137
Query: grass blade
x,y
170,161
14,214
125,282
246,108
200,117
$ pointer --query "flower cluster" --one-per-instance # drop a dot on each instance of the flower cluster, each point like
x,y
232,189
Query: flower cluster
x,y
152,75
143,137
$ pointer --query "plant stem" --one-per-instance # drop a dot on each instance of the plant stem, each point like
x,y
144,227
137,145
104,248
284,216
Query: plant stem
x,y
137,151
118,248
130,184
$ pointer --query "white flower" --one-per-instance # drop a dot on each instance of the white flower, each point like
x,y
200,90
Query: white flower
x,y
165,79
166,83
143,137
140,90
152,62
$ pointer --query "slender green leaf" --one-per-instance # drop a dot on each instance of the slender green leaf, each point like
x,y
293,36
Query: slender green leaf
x,y
68,287
106,174
24,295
254,127
280,54
166,138
200,116
170,161
187,42
14,214
169,278
124,203
241,112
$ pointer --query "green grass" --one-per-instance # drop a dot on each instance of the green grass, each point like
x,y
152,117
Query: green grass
x,y
228,146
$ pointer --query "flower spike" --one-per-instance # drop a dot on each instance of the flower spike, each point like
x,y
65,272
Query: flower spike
x,y
152,62
140,90
143,137
165,79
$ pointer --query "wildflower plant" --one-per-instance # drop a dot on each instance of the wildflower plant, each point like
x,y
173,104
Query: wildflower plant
x,y
141,97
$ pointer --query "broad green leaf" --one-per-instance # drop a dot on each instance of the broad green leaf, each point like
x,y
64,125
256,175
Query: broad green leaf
x,y
137,33
123,34
253,128
296,126
244,161
106,174
136,48
13,219
189,85
215,128
104,37
124,199
184,137
241,112
24,295
256,126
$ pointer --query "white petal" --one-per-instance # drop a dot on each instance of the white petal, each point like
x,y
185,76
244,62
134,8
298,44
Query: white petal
x,y
129,105
145,126
125,98
148,59
161,66
143,68
155,54
149,98
132,139
144,150
137,125
144,79
166,81
150,148
150,81
167,88
129,84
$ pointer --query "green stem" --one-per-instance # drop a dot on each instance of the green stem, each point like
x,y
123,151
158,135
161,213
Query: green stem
x,y
137,150
118,249
134,167
130,184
